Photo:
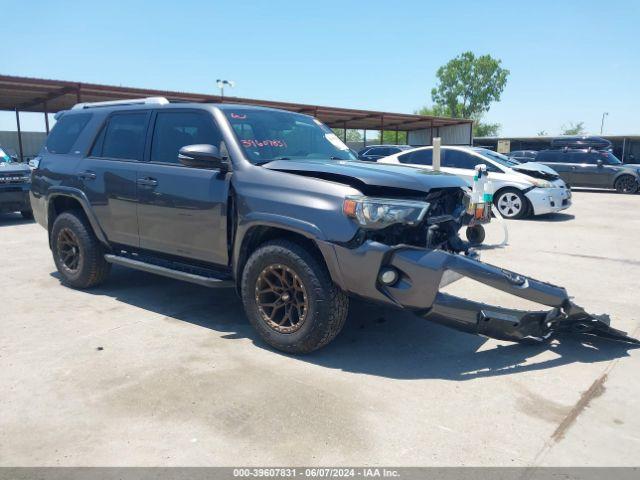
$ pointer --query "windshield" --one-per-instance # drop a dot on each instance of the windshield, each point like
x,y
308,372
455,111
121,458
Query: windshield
x,y
266,135
498,157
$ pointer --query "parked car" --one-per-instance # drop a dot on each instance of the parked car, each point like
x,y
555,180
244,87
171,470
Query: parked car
x,y
523,156
592,168
272,203
520,190
374,152
15,180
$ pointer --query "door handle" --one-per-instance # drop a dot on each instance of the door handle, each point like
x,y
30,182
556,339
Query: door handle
x,y
87,175
148,182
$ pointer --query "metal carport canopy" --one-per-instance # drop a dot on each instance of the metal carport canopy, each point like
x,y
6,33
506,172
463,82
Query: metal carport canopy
x,y
25,94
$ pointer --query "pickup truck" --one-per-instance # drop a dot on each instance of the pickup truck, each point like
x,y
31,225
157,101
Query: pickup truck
x,y
272,203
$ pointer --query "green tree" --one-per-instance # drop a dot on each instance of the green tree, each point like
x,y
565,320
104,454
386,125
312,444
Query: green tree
x,y
573,129
468,85
542,133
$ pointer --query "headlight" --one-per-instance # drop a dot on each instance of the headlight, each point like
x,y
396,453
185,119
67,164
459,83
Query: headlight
x,y
377,213
541,183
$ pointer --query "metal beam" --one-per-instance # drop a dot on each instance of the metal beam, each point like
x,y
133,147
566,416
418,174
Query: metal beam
x,y
19,135
45,99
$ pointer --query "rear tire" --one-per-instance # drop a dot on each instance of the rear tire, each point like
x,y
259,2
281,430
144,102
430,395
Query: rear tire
x,y
77,253
512,204
27,214
626,184
290,299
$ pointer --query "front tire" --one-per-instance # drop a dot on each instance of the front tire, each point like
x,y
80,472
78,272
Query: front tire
x,y
511,203
290,299
626,184
77,253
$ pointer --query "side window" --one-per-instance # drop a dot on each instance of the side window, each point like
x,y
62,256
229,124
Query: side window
x,y
174,130
581,157
66,132
458,159
417,157
122,137
550,157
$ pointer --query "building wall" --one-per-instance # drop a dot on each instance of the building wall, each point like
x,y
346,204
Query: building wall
x,y
31,142
450,135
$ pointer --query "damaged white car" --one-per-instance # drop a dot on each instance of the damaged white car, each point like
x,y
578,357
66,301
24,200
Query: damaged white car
x,y
520,190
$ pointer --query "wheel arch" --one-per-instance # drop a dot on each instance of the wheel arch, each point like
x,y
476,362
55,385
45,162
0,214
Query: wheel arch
x,y
511,187
63,199
259,233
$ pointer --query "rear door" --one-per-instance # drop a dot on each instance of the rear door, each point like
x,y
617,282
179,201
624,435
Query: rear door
x,y
585,169
109,174
182,210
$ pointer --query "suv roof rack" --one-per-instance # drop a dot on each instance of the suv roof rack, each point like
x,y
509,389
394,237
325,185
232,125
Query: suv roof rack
x,y
133,101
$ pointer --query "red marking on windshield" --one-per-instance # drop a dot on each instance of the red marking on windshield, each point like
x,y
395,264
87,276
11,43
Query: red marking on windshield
x,y
239,116
264,143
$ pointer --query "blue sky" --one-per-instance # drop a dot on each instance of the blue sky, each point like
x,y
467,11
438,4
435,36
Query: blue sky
x,y
569,61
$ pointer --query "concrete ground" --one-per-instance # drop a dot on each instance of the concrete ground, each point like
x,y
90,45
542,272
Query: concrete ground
x,y
149,371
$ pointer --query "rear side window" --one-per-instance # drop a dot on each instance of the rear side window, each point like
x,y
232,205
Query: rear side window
x,y
66,132
458,159
174,130
122,137
417,157
550,157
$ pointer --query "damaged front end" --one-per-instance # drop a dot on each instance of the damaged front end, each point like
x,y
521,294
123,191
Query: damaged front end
x,y
424,257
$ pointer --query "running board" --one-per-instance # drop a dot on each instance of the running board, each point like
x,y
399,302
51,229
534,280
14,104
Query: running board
x,y
210,282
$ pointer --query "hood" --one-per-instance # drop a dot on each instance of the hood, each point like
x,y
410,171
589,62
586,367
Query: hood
x,y
12,167
367,176
536,170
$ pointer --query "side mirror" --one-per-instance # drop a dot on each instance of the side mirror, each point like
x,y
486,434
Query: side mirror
x,y
599,162
203,156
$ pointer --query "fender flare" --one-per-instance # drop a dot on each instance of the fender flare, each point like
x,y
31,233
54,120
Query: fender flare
x,y
293,225
81,198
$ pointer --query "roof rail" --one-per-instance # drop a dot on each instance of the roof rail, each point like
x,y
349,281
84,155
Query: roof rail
x,y
133,101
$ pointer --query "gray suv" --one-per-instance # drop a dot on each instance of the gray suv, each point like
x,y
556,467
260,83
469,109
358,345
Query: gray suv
x,y
274,204
591,168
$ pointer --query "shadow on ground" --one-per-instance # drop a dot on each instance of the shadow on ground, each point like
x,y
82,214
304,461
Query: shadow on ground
x,y
11,219
375,340
551,217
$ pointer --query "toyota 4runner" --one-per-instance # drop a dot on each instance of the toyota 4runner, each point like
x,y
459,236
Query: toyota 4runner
x,y
272,203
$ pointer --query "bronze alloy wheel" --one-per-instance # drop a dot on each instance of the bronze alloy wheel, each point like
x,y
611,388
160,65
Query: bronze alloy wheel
x,y
281,298
69,249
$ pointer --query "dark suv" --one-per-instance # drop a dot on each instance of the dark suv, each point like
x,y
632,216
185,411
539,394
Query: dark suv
x,y
274,204
15,181
591,168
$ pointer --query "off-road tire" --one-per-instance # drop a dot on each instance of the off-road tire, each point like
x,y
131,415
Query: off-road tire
x,y
327,304
92,268
525,210
27,214
623,182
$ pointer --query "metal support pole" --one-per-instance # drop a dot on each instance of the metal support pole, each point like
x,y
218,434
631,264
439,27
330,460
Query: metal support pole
x,y
624,145
381,129
46,118
436,154
396,136
365,137
344,133
19,135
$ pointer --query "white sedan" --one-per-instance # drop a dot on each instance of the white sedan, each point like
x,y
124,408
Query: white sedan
x,y
520,190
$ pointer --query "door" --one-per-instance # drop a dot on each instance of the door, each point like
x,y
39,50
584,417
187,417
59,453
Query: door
x,y
585,170
109,175
182,210
560,162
